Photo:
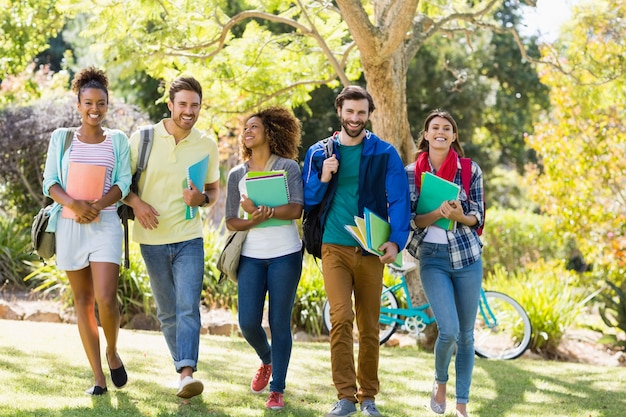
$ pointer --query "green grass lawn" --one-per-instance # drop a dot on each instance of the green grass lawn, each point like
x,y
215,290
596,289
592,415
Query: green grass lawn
x,y
44,371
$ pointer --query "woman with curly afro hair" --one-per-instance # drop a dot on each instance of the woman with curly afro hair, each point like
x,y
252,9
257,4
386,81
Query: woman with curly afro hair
x,y
271,257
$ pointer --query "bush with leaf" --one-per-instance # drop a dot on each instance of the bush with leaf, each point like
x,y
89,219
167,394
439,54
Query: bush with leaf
x,y
551,296
612,310
514,239
310,297
216,294
16,254
24,137
134,293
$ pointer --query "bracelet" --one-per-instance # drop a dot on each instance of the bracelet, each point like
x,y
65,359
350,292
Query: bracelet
x,y
272,213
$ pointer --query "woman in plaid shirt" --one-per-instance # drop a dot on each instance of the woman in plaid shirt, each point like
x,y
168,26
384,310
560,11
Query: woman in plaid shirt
x,y
450,260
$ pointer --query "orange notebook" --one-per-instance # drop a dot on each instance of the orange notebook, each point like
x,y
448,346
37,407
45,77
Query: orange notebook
x,y
84,182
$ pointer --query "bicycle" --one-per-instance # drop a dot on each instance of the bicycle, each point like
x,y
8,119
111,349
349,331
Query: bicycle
x,y
502,330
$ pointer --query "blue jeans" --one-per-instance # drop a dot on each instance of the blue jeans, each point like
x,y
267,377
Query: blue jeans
x,y
176,272
453,295
278,277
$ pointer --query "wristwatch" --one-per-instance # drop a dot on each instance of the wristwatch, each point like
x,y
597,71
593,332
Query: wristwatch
x,y
206,200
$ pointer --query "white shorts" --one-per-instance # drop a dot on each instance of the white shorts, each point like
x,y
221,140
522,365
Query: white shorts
x,y
79,244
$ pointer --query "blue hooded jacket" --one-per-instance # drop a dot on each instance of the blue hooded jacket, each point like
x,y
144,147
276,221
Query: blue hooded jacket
x,y
383,184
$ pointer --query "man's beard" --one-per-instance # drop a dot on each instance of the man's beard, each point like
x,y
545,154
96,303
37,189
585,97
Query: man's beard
x,y
353,133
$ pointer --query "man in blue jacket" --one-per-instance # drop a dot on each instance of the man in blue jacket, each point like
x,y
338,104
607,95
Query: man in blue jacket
x,y
360,171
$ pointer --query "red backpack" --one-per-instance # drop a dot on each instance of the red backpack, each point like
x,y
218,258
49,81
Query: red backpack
x,y
466,178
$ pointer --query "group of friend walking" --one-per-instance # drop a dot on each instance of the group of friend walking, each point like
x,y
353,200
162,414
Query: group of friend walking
x,y
363,171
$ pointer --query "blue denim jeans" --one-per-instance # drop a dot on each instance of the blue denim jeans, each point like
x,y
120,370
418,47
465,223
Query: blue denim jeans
x,y
176,272
278,277
453,295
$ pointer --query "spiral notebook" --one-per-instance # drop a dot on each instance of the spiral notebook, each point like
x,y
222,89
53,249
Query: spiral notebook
x,y
268,188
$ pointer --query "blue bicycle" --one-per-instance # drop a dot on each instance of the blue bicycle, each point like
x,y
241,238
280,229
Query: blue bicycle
x,y
502,330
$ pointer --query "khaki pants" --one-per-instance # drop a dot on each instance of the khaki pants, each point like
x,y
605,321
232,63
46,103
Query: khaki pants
x,y
346,271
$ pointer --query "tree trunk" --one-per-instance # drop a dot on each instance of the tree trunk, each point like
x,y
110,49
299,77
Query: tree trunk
x,y
418,298
386,83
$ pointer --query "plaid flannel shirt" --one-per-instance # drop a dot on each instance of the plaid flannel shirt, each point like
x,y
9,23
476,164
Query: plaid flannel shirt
x,y
464,245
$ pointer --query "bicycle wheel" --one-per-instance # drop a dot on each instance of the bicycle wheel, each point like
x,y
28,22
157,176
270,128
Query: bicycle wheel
x,y
386,324
502,329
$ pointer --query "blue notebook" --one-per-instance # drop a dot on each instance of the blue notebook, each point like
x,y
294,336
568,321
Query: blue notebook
x,y
197,174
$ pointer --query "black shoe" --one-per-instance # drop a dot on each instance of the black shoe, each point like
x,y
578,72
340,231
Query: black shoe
x,y
119,375
96,390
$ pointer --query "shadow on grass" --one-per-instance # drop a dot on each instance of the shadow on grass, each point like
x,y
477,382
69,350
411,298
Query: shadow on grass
x,y
572,390
44,371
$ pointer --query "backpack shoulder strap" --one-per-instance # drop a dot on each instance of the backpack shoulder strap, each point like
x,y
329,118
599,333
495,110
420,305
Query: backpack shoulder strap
x,y
69,135
329,147
466,174
270,162
145,146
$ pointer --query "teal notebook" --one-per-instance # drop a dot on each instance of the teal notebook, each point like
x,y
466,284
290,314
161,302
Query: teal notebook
x,y
197,174
268,188
371,232
435,190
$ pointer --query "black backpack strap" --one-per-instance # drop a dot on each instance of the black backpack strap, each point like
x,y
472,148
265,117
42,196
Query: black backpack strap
x,y
146,134
145,146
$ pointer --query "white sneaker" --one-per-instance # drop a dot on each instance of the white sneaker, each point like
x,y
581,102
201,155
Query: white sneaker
x,y
189,387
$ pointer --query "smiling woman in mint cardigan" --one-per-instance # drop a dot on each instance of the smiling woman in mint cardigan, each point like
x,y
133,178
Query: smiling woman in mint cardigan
x,y
89,246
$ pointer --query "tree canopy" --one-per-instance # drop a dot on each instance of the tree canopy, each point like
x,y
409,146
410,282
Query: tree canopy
x,y
253,53
26,27
581,179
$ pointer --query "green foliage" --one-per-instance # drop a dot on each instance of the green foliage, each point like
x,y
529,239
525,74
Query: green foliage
x,y
525,387
45,278
24,136
239,69
134,293
514,239
15,250
613,312
216,294
310,297
582,141
25,28
550,295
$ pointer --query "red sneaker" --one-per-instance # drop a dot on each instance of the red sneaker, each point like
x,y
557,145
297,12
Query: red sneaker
x,y
275,401
261,378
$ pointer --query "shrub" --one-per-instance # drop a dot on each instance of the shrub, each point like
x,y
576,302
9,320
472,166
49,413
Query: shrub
x,y
612,310
15,251
549,294
24,137
48,280
216,294
133,290
515,239
310,297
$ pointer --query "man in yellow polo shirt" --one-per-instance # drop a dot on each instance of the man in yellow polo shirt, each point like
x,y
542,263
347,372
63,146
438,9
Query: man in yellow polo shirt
x,y
171,245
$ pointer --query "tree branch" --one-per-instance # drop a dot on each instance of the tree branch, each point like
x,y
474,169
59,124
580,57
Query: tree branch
x,y
219,43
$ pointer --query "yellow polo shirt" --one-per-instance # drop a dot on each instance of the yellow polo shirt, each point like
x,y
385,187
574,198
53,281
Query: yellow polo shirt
x,y
161,184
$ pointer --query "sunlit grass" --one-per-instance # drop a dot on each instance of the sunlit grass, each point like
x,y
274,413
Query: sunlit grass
x,y
44,372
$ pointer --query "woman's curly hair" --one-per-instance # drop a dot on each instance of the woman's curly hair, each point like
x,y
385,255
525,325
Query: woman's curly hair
x,y
90,77
282,130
